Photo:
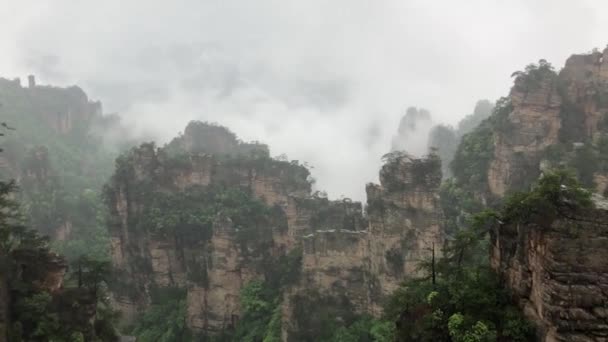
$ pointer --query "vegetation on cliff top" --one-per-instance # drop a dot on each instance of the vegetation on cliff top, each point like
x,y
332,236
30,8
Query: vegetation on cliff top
x,y
402,172
554,194
533,76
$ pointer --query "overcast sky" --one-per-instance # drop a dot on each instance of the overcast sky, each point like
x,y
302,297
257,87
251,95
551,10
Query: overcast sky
x,y
324,81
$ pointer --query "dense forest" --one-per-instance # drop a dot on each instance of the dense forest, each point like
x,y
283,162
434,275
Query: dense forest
x,y
209,238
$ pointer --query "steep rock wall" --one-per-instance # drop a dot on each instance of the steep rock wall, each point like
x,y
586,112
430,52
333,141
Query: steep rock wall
x,y
213,268
361,267
404,219
558,273
344,256
533,125
543,110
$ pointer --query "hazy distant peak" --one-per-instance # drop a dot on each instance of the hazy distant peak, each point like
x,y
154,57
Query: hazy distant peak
x,y
413,131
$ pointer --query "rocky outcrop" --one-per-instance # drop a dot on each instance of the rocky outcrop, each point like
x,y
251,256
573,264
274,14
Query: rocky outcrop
x,y
404,215
545,109
212,268
529,128
342,254
360,267
557,272
215,305
337,261
203,137
585,83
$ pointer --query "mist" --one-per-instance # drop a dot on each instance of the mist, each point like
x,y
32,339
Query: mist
x,y
323,82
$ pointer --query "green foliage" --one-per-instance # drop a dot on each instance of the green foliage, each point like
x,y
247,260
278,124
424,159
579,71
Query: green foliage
x,y
59,159
294,175
91,273
462,298
188,216
35,315
273,329
464,286
424,171
473,156
500,116
458,205
318,316
88,235
260,304
533,75
338,214
478,332
35,309
365,329
261,300
333,319
382,331
165,319
13,234
554,192
164,322
583,159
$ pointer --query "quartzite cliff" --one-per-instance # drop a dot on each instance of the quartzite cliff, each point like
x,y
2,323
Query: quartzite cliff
x,y
345,255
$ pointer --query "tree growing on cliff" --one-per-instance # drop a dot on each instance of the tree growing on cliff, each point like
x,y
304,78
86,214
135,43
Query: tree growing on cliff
x,y
33,313
530,78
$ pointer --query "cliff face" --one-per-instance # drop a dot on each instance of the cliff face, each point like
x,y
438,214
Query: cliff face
x,y
557,272
545,109
359,268
212,258
177,221
533,125
404,219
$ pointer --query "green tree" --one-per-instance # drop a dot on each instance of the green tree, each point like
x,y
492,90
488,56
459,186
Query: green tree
x,y
164,322
91,273
462,298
